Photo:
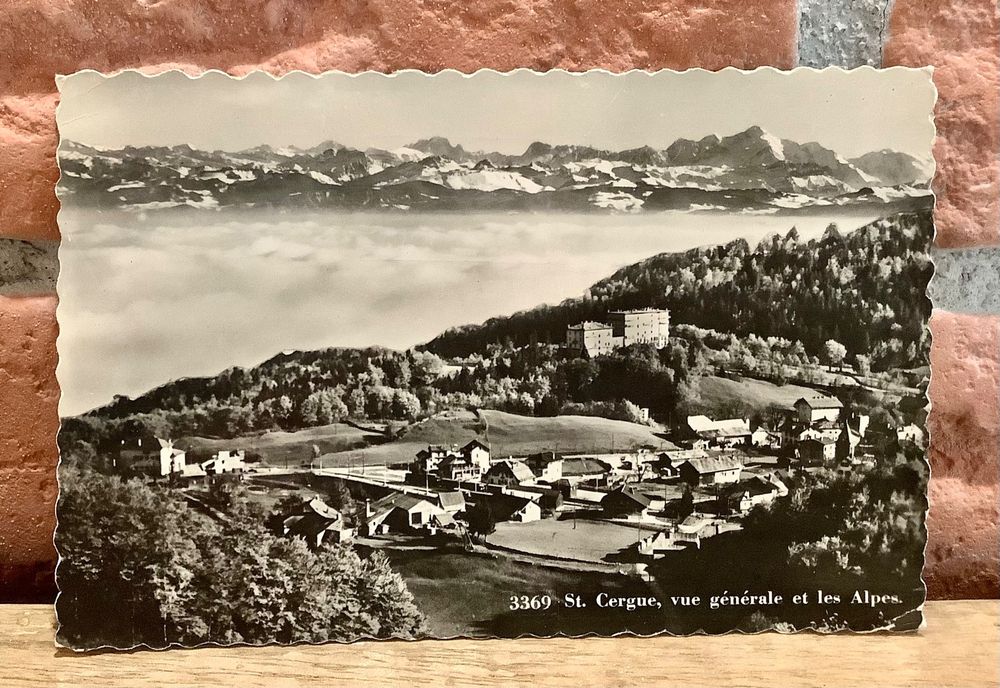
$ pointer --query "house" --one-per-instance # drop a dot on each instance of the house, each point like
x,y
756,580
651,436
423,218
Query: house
x,y
742,496
514,508
728,433
509,472
474,460
403,513
547,466
478,453
625,501
459,469
817,451
818,407
451,502
225,462
765,438
910,433
429,459
710,470
316,522
585,469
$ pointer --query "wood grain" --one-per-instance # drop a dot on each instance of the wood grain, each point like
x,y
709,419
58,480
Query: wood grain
x,y
959,647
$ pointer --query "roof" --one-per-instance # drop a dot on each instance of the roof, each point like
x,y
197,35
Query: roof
x,y
821,402
518,469
398,499
820,440
631,494
318,506
755,486
589,325
728,427
714,464
455,498
475,443
504,506
583,466
639,310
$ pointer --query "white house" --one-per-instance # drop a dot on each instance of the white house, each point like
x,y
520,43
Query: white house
x,y
818,407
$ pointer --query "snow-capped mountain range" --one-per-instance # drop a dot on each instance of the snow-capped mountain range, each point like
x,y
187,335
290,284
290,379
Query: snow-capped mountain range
x,y
751,171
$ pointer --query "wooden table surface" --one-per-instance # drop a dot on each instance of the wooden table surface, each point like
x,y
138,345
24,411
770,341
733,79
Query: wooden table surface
x,y
960,646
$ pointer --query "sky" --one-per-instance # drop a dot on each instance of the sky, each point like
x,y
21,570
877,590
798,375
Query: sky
x,y
851,112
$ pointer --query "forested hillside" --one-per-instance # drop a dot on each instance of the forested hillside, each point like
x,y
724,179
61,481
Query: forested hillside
x,y
864,289
768,311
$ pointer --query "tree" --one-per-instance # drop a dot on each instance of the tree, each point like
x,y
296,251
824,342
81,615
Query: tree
x,y
834,353
481,520
139,567
685,505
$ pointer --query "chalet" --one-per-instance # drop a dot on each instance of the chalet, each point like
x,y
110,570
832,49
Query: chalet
x,y
478,453
316,522
460,469
474,454
451,502
225,462
427,460
404,513
728,433
158,460
546,466
818,407
710,470
817,451
625,501
585,469
740,497
515,508
508,473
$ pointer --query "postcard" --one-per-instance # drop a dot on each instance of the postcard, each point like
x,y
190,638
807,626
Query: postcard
x,y
349,357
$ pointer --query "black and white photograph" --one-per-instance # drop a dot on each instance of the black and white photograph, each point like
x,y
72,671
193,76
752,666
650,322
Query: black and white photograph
x,y
351,357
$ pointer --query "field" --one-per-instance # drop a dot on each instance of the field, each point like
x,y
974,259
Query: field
x,y
579,539
758,394
508,435
279,448
465,594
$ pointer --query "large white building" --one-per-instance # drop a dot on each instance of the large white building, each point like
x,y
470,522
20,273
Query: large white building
x,y
624,328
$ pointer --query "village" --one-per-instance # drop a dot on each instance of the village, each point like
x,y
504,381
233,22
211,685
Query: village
x,y
612,512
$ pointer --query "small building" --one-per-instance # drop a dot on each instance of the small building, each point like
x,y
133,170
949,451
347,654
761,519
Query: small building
x,y
514,508
742,496
225,462
710,470
508,473
403,513
817,451
625,501
727,433
911,433
316,522
818,407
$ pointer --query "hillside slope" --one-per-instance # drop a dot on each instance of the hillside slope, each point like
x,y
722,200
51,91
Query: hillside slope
x,y
865,289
